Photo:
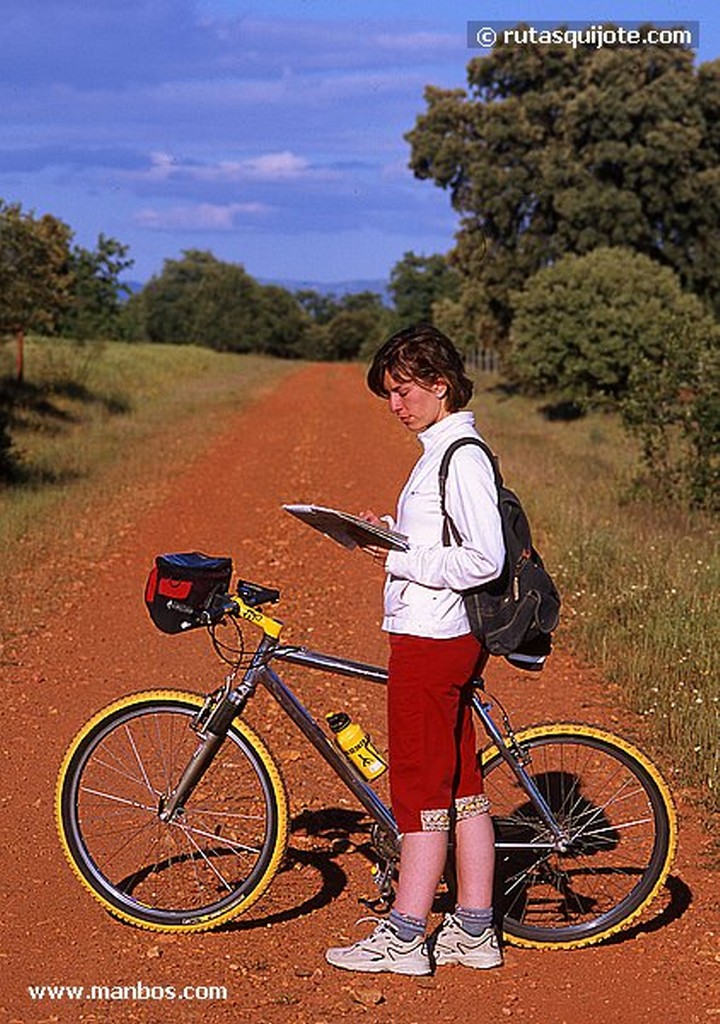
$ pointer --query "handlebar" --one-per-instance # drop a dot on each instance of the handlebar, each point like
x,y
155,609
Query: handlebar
x,y
244,605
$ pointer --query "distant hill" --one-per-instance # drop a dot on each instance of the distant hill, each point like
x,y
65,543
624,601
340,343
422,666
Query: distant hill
x,y
339,288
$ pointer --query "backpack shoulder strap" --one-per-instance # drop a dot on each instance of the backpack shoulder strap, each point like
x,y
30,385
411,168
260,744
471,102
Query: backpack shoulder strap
x,y
448,524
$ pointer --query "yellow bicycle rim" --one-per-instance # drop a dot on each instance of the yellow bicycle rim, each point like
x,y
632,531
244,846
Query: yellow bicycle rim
x,y
590,732
200,922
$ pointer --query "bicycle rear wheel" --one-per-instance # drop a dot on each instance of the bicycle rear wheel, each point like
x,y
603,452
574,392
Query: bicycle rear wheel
x,y
205,867
619,818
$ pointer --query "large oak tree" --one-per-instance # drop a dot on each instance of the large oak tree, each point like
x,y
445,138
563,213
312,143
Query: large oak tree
x,y
554,150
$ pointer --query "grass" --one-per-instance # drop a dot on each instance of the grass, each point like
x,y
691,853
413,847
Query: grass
x,y
640,581
86,413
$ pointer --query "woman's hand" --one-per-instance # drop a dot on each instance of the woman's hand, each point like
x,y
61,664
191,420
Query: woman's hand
x,y
369,516
377,554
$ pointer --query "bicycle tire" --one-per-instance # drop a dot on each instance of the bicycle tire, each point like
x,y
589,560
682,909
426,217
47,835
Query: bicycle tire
x,y
198,872
621,821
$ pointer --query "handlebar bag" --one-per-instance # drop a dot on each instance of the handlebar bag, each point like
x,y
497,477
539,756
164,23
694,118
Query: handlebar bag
x,y
181,586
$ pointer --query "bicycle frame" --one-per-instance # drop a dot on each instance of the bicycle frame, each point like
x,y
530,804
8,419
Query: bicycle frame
x,y
355,782
259,672
583,820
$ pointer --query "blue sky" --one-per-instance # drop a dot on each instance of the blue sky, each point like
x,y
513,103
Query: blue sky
x,y
267,131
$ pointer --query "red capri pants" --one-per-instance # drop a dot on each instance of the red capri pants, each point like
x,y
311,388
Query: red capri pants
x,y
434,777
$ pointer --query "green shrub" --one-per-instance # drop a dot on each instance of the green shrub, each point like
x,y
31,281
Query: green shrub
x,y
612,328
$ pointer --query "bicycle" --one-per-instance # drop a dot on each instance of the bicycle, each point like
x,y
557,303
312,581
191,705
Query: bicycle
x,y
174,814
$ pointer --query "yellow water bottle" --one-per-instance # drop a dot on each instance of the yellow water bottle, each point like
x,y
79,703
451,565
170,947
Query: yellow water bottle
x,y
356,744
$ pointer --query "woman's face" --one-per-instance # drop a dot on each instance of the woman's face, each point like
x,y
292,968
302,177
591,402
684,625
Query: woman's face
x,y
416,405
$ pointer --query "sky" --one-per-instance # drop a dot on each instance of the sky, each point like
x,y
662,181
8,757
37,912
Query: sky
x,y
269,132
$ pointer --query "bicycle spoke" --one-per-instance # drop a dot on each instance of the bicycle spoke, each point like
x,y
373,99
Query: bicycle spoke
x,y
119,799
138,758
602,801
230,814
207,860
112,855
233,844
121,770
209,853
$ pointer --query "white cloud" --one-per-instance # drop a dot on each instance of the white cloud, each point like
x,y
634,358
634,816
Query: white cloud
x,y
162,166
261,124
201,217
274,166
268,168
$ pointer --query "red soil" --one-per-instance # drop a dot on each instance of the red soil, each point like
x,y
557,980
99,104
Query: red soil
x,y
86,639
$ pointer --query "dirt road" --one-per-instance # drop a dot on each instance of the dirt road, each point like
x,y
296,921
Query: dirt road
x,y
86,639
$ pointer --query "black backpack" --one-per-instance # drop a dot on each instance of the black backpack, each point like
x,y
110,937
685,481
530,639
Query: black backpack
x,y
515,614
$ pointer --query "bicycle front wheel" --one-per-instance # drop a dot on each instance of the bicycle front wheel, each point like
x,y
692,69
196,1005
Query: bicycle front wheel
x,y
213,860
618,816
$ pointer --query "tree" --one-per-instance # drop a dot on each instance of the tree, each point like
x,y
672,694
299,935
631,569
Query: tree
x,y
360,326
225,304
468,320
417,283
582,326
8,465
169,298
282,323
35,274
210,302
612,328
370,301
204,300
673,408
345,328
556,150
96,300
321,308
352,332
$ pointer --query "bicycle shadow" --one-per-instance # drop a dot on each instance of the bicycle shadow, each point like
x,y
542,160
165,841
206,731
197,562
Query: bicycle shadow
x,y
335,827
332,827
679,897
568,885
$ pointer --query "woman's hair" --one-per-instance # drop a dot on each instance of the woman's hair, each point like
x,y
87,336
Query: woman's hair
x,y
422,354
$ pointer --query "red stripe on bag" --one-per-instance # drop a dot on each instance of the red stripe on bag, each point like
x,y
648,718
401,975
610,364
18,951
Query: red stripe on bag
x,y
175,588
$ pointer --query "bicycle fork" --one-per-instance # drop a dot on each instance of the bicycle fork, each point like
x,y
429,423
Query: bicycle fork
x,y
212,736
212,724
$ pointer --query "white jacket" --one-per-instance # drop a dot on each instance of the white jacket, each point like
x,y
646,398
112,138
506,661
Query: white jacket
x,y
422,587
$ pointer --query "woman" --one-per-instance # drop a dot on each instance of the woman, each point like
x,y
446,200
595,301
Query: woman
x,y
434,779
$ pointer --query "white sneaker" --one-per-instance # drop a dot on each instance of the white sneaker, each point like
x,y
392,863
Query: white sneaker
x,y
453,945
383,951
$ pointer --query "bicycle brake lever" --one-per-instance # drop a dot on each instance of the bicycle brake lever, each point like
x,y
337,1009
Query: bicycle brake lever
x,y
253,594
